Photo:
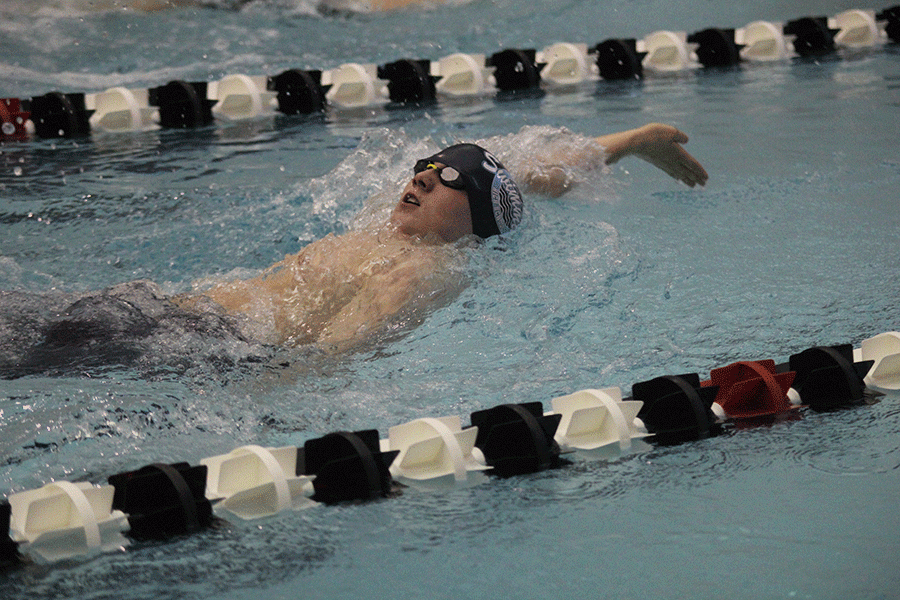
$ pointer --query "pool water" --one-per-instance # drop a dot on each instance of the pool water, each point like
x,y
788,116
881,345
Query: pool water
x,y
792,244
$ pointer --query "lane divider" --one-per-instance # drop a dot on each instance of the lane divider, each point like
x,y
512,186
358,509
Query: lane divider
x,y
434,448
884,352
597,419
63,520
408,81
252,482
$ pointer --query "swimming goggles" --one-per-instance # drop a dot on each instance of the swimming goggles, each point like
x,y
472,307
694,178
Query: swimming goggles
x,y
449,176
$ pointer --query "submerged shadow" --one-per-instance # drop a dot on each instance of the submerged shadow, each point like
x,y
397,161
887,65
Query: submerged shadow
x,y
130,326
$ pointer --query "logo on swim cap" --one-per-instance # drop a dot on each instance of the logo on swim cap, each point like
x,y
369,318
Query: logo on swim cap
x,y
506,200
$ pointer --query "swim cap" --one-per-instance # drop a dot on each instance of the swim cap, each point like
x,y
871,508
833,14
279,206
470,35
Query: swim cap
x,y
494,198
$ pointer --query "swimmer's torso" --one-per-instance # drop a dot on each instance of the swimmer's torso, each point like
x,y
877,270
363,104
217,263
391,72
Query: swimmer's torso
x,y
340,288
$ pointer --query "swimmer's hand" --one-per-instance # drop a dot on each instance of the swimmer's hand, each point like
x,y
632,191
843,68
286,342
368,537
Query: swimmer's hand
x,y
661,146
551,172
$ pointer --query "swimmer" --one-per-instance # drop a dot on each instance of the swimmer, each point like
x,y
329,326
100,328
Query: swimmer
x,y
339,291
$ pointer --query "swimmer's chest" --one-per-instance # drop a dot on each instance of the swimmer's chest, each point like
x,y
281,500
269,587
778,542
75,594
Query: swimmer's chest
x,y
350,259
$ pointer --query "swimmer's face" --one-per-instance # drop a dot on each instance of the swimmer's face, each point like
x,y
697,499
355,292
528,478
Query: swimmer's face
x,y
429,206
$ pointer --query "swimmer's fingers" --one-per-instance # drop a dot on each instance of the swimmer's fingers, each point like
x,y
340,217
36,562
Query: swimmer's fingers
x,y
683,167
696,174
661,147
682,173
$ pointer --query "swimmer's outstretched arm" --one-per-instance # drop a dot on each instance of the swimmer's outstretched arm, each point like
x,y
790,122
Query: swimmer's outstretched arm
x,y
661,146
658,144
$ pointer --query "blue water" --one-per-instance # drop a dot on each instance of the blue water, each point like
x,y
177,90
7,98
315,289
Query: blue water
x,y
793,243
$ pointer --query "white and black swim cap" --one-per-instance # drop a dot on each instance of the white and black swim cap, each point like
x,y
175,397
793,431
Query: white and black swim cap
x,y
494,198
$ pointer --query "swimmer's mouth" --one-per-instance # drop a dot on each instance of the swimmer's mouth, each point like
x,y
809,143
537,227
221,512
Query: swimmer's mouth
x,y
410,199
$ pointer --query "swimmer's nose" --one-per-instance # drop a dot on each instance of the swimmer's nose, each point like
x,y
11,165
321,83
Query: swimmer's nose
x,y
425,179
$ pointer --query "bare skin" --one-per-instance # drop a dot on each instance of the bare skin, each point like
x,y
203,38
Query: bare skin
x,y
427,206
658,144
661,146
340,290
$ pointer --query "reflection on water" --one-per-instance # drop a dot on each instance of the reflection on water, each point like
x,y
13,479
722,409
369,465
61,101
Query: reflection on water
x,y
230,556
